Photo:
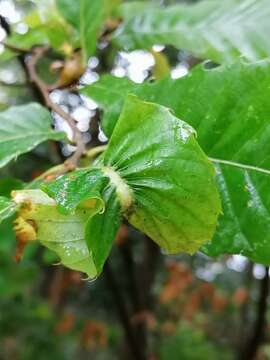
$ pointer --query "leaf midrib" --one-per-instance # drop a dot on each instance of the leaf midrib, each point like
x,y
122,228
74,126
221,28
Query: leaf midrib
x,y
240,165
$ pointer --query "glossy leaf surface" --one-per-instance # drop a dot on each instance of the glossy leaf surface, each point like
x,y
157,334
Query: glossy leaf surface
x,y
210,29
87,189
22,128
80,188
102,228
157,161
231,127
245,226
157,156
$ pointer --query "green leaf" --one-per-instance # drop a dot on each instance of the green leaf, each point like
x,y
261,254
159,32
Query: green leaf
x,y
29,39
134,8
88,18
152,158
244,228
79,188
22,128
102,228
229,127
210,29
45,26
39,219
89,188
70,10
7,208
155,156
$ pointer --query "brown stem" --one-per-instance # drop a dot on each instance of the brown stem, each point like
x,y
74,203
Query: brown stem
x,y
148,271
130,270
134,346
15,48
245,311
134,293
31,64
257,337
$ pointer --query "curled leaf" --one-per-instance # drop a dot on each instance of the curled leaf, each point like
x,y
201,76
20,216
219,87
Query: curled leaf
x,y
175,199
39,219
78,189
101,229
90,188
154,173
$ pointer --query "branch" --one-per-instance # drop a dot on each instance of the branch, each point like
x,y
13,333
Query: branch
x,y
147,273
245,311
257,337
31,64
149,268
120,304
14,48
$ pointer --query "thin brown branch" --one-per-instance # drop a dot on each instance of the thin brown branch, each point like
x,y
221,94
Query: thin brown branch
x,y
149,268
257,337
138,320
245,311
14,48
120,304
31,64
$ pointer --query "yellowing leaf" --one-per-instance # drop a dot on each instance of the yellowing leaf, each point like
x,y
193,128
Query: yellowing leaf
x,y
38,218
